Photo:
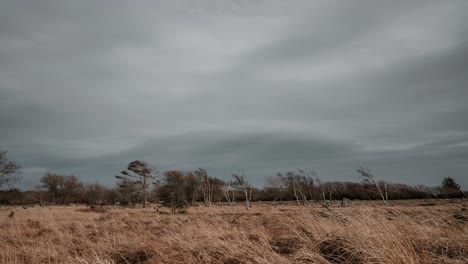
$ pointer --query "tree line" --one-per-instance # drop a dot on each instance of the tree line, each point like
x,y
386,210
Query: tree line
x,y
141,184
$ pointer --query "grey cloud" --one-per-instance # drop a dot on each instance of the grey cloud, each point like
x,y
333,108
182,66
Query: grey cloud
x,y
86,87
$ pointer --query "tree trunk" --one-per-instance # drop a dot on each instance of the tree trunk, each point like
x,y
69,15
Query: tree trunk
x,y
247,202
144,191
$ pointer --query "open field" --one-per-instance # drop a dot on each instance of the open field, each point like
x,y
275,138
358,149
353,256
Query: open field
x,y
406,232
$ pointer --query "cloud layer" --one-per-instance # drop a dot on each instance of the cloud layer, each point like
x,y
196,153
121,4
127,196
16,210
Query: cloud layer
x,y
264,86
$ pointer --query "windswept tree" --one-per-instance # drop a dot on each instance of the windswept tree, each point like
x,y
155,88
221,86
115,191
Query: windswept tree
x,y
244,186
299,184
277,185
228,192
208,186
61,187
326,189
293,183
368,178
128,190
8,169
137,177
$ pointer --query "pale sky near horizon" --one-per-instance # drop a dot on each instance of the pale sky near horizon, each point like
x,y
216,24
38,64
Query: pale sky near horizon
x,y
259,86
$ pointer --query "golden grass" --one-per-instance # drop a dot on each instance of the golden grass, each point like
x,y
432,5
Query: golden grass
x,y
363,233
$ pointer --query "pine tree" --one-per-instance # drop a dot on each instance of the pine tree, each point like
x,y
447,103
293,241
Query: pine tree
x,y
139,180
449,183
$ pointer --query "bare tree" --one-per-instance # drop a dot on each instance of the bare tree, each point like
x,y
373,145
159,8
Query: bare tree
x,y
321,187
206,186
307,183
8,169
228,192
243,185
94,193
329,189
299,183
293,181
60,187
278,185
368,177
141,177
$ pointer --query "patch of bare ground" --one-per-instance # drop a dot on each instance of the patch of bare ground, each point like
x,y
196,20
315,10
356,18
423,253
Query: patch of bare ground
x,y
405,232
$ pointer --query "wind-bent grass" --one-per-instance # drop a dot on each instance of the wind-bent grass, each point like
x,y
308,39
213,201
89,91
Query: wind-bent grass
x,y
405,233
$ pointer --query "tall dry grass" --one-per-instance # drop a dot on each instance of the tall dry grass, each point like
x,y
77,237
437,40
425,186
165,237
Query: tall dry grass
x,y
407,233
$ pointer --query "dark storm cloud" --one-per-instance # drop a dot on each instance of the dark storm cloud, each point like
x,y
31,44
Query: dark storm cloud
x,y
267,86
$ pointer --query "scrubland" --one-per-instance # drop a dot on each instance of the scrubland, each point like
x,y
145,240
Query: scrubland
x,y
366,232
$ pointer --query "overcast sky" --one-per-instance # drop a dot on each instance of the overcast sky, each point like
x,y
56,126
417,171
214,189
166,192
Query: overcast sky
x,y
262,86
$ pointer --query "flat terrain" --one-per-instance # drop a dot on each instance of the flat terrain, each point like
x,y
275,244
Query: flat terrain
x,y
422,231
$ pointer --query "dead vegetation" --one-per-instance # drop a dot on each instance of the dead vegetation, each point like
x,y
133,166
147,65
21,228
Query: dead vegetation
x,y
365,233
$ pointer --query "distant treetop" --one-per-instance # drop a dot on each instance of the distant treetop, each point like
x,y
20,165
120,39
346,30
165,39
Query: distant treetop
x,y
449,183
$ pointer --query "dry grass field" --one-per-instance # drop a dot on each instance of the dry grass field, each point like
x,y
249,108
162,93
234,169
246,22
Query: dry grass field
x,y
406,232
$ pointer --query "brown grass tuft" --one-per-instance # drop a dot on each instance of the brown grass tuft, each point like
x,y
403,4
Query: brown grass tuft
x,y
287,244
340,250
451,248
